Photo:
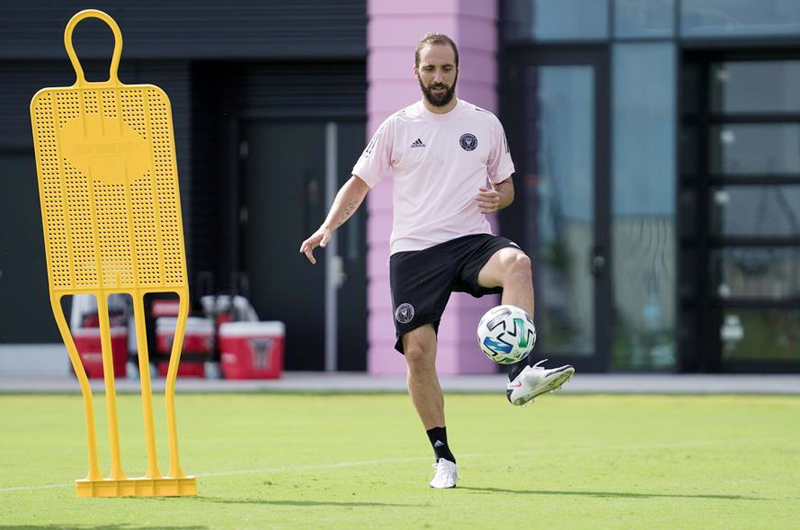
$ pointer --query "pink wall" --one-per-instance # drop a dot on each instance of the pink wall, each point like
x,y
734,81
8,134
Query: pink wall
x,y
394,29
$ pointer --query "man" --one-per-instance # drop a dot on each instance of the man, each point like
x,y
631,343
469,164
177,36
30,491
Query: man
x,y
442,152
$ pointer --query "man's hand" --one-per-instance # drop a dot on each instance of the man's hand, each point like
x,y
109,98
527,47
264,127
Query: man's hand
x,y
488,200
347,201
319,238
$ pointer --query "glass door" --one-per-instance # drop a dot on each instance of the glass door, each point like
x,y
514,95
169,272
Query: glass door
x,y
744,180
562,179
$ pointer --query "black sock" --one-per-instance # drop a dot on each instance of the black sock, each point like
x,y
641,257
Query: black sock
x,y
438,438
515,369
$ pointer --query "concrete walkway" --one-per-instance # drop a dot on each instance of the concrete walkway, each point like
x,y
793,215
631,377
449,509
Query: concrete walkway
x,y
316,382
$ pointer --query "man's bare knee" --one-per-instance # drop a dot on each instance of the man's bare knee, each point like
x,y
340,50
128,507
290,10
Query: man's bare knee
x,y
519,267
514,269
417,353
420,349
419,360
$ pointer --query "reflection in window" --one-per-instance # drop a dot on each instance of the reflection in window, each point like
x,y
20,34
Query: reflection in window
x,y
723,18
763,86
643,190
760,335
756,211
761,273
755,149
556,19
561,225
644,18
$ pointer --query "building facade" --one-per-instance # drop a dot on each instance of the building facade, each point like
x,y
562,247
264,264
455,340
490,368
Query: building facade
x,y
269,103
657,145
657,148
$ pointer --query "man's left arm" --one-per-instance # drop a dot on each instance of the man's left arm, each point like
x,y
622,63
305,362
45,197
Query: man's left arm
x,y
499,165
495,198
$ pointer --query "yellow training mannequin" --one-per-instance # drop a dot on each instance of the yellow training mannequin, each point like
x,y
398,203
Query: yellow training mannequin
x,y
108,188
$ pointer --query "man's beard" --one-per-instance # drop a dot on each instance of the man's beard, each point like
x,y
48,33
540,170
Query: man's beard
x,y
440,100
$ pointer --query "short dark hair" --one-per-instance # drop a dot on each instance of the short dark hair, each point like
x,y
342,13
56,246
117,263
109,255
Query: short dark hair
x,y
434,38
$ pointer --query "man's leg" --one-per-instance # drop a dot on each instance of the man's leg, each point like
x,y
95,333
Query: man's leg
x,y
510,269
419,346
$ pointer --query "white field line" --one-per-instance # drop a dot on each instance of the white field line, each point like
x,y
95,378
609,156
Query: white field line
x,y
335,465
29,488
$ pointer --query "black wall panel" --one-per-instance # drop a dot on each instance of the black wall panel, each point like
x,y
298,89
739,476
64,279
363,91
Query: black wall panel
x,y
279,29
220,64
225,95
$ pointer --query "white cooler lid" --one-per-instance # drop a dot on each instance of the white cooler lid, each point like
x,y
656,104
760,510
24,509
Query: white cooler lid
x,y
193,324
250,329
95,332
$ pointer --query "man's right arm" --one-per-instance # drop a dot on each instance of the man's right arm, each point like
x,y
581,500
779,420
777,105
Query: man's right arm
x,y
347,201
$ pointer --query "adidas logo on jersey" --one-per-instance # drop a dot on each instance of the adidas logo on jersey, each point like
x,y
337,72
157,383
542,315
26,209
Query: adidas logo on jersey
x,y
418,143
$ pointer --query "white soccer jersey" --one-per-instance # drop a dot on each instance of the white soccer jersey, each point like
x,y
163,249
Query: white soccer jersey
x,y
439,161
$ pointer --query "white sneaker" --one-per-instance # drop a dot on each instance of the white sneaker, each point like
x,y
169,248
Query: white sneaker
x,y
536,380
446,474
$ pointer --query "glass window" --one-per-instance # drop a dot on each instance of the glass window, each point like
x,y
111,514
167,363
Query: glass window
x,y
643,197
561,227
760,335
755,149
771,273
764,86
725,18
644,129
644,18
756,211
556,19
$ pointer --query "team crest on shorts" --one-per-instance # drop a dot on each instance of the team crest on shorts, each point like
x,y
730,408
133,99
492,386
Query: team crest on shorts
x,y
404,313
468,142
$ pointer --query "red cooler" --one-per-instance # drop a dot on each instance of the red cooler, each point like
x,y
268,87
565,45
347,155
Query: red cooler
x,y
198,344
252,350
87,341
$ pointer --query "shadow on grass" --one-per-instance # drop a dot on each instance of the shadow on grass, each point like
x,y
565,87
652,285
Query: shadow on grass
x,y
613,494
277,502
101,527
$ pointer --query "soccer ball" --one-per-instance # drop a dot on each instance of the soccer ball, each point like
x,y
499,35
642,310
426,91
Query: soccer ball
x,y
506,334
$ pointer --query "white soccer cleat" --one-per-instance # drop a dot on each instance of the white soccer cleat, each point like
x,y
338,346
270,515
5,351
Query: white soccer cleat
x,y
446,474
536,380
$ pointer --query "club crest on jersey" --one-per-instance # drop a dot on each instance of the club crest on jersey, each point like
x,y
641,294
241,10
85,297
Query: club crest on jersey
x,y
404,313
468,142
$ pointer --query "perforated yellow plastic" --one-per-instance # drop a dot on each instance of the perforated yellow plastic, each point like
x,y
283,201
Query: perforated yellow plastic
x,y
108,188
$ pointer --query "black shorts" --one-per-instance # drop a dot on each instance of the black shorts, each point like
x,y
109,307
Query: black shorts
x,y
422,280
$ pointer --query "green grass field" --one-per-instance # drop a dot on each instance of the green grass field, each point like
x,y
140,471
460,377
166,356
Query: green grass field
x,y
363,461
